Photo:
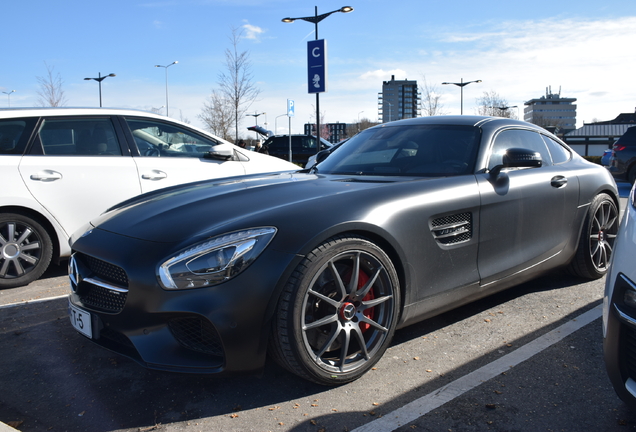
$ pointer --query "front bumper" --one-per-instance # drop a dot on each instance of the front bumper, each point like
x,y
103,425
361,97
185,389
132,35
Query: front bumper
x,y
223,328
619,344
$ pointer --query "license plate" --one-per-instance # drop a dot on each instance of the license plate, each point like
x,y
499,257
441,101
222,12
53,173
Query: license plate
x,y
80,320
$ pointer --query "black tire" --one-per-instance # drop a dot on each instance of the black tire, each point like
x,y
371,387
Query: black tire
x,y
25,250
631,174
331,325
598,235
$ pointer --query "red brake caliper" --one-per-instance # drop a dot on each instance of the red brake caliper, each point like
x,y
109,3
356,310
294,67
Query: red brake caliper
x,y
369,313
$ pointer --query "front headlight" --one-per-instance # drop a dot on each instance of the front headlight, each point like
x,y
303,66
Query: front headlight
x,y
215,260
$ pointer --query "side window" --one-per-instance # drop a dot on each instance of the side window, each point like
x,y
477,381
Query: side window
x,y
309,142
518,138
155,138
559,153
14,134
79,137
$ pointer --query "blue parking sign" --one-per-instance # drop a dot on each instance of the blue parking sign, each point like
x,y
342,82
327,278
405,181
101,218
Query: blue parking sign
x,y
317,66
290,108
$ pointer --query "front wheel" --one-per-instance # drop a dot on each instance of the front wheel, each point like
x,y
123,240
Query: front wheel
x,y
25,250
338,312
598,235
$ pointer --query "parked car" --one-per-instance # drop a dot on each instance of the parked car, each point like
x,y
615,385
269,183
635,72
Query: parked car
x,y
605,159
319,267
303,146
62,167
622,163
619,309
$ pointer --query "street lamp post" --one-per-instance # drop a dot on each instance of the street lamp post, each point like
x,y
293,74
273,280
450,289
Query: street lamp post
x,y
166,67
276,123
99,79
461,85
316,19
9,96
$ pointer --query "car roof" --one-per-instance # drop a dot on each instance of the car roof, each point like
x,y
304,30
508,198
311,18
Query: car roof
x,y
465,120
8,113
71,111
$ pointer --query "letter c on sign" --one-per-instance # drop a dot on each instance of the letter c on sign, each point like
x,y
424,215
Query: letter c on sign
x,y
313,52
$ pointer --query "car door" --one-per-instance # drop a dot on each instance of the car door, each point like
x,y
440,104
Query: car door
x,y
170,154
77,168
526,214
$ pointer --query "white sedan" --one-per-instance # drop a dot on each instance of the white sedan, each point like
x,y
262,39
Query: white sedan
x,y
60,167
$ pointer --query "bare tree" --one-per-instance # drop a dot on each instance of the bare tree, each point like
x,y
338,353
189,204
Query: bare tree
x,y
183,118
431,105
363,124
218,115
491,104
236,84
324,129
50,92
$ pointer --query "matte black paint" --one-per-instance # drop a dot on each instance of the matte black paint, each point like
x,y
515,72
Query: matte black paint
x,y
521,226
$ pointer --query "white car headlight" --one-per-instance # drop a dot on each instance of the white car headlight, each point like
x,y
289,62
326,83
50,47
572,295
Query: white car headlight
x,y
215,260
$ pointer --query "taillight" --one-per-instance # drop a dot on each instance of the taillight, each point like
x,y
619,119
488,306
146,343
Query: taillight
x,y
619,147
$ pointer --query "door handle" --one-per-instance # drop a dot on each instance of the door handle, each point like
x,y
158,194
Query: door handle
x,y
46,176
558,181
154,175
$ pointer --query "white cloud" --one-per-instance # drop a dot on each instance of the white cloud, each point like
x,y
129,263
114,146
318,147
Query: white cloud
x,y
252,32
383,75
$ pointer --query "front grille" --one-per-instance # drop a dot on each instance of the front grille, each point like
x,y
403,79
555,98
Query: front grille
x,y
101,299
101,286
453,229
197,334
628,348
104,270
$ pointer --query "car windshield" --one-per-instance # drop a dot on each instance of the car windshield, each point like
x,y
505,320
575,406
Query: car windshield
x,y
415,150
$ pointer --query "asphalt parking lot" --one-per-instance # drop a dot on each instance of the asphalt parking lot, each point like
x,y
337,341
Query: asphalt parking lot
x,y
526,359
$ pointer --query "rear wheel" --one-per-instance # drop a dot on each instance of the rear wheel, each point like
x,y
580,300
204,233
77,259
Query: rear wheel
x,y
25,250
596,244
338,312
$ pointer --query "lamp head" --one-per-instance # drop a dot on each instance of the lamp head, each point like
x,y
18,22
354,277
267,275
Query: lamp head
x,y
346,9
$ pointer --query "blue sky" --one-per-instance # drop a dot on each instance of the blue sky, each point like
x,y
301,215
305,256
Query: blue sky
x,y
518,49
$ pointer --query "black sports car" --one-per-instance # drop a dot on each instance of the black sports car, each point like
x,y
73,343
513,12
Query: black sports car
x,y
319,267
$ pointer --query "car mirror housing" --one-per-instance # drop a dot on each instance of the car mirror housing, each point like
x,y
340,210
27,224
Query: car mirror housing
x,y
518,158
222,152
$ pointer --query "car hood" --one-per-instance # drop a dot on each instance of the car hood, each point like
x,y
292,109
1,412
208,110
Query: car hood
x,y
199,209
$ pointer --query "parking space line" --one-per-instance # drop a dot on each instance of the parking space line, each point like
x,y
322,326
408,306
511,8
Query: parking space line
x,y
439,397
26,302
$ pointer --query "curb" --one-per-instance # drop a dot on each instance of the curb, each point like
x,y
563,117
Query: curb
x,y
6,428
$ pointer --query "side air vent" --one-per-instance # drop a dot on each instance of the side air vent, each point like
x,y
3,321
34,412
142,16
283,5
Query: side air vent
x,y
453,229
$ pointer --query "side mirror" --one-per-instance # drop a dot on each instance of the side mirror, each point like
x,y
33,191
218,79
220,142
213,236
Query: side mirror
x,y
221,152
322,155
518,158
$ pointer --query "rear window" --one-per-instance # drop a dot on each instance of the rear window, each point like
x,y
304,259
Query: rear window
x,y
629,138
14,135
